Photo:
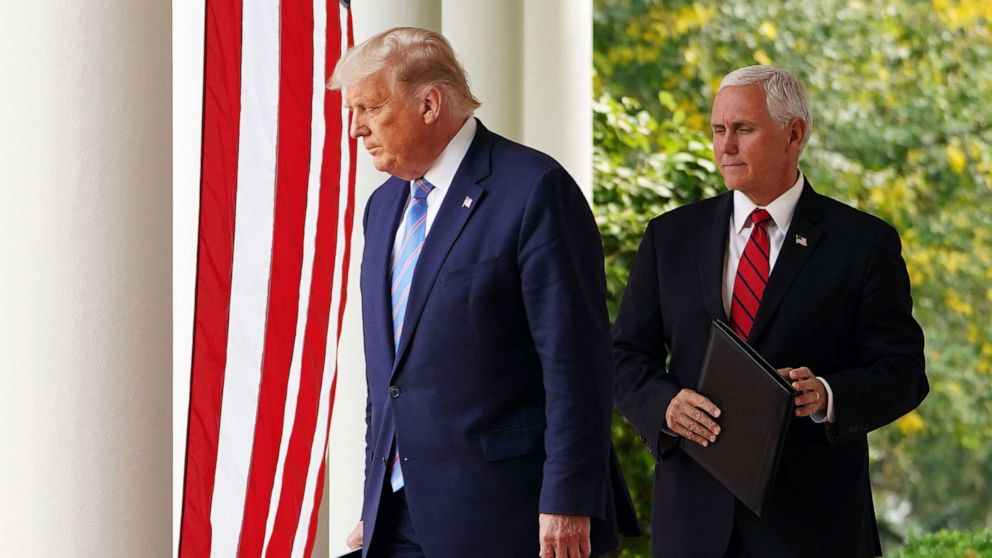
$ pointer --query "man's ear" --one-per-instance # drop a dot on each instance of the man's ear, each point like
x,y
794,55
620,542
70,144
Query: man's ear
x,y
431,106
797,131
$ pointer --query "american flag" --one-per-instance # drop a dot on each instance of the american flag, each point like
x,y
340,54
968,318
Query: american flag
x,y
276,213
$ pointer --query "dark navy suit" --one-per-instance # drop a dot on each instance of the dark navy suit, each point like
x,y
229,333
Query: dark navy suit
x,y
837,301
499,394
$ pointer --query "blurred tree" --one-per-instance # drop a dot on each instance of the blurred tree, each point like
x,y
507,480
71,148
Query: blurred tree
x,y
902,128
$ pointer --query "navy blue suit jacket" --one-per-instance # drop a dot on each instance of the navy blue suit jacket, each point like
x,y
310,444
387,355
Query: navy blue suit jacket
x,y
837,301
499,395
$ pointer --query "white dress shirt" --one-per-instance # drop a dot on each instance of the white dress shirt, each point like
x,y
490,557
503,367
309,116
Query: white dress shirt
x,y
781,210
440,174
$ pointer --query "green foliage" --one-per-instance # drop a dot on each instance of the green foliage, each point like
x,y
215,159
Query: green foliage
x,y
948,544
643,166
902,128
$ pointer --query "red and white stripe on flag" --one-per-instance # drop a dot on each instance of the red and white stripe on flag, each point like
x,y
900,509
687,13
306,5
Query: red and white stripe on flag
x,y
276,214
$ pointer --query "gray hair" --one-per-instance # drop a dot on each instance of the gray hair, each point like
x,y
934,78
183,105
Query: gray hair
x,y
416,60
784,94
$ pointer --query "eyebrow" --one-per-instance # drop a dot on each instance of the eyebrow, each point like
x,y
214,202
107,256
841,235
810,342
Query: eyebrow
x,y
734,124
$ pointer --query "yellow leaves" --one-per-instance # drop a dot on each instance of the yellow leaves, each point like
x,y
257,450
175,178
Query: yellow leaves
x,y
664,23
768,29
911,423
762,57
963,13
988,294
919,262
691,55
957,305
984,366
956,158
892,197
954,262
714,86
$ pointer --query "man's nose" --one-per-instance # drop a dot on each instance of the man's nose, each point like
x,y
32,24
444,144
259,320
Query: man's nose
x,y
730,144
357,129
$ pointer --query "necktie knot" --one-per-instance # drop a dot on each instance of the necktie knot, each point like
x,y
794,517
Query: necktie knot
x,y
420,188
760,217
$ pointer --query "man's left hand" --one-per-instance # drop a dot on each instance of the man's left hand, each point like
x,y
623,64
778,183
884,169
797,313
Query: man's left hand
x,y
812,396
564,536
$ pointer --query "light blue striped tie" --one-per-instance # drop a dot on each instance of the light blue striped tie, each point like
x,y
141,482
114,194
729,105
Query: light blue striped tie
x,y
414,232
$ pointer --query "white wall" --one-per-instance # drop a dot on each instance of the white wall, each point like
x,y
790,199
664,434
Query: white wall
x,y
85,248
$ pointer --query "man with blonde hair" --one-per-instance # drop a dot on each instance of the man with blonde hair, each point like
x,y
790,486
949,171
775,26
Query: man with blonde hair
x,y
817,288
486,334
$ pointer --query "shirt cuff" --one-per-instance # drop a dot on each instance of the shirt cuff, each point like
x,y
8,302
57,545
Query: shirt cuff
x,y
828,415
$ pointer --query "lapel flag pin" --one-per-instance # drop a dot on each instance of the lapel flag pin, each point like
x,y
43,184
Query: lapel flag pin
x,y
467,202
800,240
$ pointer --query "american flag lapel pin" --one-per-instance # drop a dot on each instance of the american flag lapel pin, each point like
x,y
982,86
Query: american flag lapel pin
x,y
800,240
467,202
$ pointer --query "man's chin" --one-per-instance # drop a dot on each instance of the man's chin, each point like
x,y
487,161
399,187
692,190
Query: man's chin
x,y
380,165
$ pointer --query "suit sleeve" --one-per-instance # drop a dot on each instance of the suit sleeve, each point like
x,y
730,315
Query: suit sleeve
x,y
890,380
368,399
560,257
643,387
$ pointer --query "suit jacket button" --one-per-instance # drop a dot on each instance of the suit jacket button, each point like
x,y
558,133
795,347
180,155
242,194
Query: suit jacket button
x,y
394,392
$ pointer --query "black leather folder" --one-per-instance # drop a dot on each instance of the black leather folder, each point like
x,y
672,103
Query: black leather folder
x,y
357,553
755,411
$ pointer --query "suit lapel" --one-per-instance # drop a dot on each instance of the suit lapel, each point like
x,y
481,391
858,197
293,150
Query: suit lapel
x,y
712,251
385,233
800,241
455,211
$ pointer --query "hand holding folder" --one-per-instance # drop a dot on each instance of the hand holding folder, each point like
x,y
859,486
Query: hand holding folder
x,y
755,411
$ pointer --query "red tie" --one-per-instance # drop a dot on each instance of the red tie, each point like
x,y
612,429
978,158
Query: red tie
x,y
752,276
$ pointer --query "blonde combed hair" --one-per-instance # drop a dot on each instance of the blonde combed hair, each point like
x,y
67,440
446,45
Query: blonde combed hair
x,y
416,60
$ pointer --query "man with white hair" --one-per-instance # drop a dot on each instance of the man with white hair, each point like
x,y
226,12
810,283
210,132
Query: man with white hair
x,y
487,340
818,288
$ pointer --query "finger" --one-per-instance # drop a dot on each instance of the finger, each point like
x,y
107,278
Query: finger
x,y
699,422
561,548
801,373
805,410
706,422
701,402
585,547
784,372
689,432
547,550
808,403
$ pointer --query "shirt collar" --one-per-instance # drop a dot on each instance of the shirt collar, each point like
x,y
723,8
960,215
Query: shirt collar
x,y
781,209
442,172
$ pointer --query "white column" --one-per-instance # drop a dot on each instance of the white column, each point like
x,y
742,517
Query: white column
x,y
372,17
557,78
85,246
346,445
487,36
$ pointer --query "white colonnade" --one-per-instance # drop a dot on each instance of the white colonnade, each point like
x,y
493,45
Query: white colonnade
x,y
85,274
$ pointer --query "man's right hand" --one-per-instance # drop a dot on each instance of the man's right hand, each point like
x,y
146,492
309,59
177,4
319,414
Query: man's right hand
x,y
354,540
691,416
